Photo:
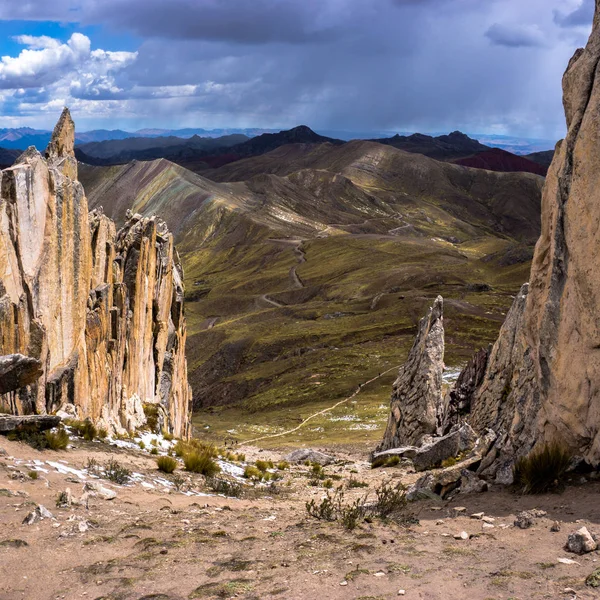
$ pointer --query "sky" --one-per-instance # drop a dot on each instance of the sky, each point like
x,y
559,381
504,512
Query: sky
x,y
486,66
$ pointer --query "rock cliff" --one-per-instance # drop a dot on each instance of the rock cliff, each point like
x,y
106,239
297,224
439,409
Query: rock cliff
x,y
89,317
416,397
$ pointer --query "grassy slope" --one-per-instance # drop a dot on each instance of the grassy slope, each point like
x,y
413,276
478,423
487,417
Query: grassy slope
x,y
259,367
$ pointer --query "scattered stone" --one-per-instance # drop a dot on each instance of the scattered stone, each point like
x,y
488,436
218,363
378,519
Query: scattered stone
x,y
100,490
581,542
567,561
526,518
555,528
488,519
459,509
488,526
478,515
463,535
38,514
314,456
343,583
401,592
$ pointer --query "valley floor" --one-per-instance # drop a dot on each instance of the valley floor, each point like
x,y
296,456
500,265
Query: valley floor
x,y
152,542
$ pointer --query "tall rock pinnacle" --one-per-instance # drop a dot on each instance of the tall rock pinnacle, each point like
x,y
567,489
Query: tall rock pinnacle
x,y
91,318
417,394
62,142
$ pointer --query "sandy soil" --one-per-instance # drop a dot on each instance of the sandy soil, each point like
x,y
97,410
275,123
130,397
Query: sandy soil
x,y
156,543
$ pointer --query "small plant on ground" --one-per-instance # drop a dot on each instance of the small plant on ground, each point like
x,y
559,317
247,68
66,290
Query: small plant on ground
x,y
168,436
92,466
385,461
542,470
355,483
350,515
179,481
116,472
389,499
328,484
263,465
62,499
57,440
282,465
201,462
85,429
225,487
166,464
151,413
33,474
253,473
324,510
154,451
142,445
102,433
593,579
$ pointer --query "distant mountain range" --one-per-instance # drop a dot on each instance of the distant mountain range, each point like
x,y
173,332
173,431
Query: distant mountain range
x,y
190,149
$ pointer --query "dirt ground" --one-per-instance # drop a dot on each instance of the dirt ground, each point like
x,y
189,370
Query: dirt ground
x,y
152,542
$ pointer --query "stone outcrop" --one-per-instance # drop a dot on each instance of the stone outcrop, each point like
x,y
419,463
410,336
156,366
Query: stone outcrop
x,y
416,405
542,382
96,315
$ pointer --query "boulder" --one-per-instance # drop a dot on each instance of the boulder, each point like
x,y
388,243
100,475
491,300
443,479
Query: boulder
x,y
38,514
99,490
416,403
436,450
17,371
581,542
314,456
10,423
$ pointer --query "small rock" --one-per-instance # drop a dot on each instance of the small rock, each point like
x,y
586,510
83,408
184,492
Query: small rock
x,y
463,535
401,592
100,490
524,519
567,561
38,514
379,574
83,526
581,542
488,525
314,456
343,583
555,527
488,519
459,509
569,591
478,515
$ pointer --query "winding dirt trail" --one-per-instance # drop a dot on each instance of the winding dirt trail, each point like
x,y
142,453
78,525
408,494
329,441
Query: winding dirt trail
x,y
321,412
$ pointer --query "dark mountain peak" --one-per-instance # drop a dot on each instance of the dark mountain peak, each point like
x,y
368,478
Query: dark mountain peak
x,y
458,136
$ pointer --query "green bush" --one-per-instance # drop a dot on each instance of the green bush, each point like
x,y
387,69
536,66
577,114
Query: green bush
x,y
154,451
593,579
151,413
253,473
390,500
85,429
115,471
33,474
263,465
355,483
166,464
324,510
198,461
283,465
57,440
385,461
225,487
168,436
542,470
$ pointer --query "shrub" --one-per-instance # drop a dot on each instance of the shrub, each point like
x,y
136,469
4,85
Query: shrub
x,y
57,440
263,465
168,436
355,483
352,514
154,451
33,475
385,461
142,445
166,464
328,484
151,413
593,579
389,500
62,499
225,487
324,510
241,457
253,473
92,466
179,481
283,465
542,470
115,471
201,462
179,448
85,429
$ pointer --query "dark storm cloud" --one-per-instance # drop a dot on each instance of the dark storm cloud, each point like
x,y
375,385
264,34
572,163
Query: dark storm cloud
x,y
515,36
489,65
581,16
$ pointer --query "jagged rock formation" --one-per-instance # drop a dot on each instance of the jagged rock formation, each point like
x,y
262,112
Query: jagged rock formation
x,y
98,313
416,397
542,381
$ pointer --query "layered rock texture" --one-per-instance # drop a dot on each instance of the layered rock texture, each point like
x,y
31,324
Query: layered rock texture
x,y
416,396
89,316
541,381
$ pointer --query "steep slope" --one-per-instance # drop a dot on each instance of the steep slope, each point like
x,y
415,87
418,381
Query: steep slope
x,y
305,280
99,311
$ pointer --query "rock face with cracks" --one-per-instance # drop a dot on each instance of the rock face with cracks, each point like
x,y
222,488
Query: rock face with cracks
x,y
416,397
542,382
89,316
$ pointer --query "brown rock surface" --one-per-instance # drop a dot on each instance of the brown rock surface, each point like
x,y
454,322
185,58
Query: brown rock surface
x,y
416,397
542,382
101,311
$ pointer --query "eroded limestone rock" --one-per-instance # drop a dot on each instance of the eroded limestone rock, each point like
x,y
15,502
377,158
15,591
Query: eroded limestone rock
x,y
416,404
100,311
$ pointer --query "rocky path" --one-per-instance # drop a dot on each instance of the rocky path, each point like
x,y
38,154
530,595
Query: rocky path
x,y
321,412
